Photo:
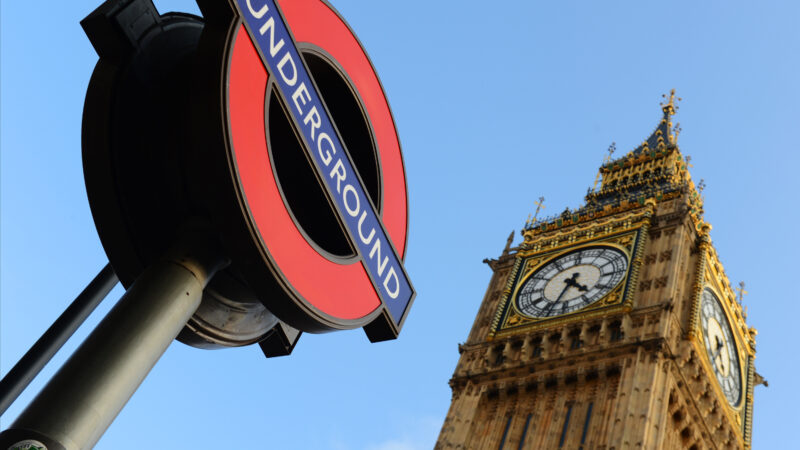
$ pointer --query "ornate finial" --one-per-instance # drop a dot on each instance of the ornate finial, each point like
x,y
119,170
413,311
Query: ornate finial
x,y
611,149
532,220
740,290
508,243
687,165
676,131
701,185
539,206
670,108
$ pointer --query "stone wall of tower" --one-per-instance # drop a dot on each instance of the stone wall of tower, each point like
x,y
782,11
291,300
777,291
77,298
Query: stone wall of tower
x,y
667,274
544,417
501,269
613,400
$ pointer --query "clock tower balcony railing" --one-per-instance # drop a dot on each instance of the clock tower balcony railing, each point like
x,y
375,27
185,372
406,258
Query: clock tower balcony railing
x,y
607,204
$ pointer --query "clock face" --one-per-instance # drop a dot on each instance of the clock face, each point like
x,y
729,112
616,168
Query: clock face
x,y
572,281
721,348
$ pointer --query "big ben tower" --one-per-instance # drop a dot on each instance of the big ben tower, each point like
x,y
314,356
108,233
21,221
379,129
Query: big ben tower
x,y
613,326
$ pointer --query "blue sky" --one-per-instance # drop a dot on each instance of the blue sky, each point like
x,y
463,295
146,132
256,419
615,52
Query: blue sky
x,y
496,106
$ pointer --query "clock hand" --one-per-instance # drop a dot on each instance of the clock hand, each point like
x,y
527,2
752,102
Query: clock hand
x,y
572,282
564,291
717,353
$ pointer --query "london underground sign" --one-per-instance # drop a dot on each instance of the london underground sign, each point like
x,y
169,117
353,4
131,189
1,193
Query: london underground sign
x,y
375,279
266,120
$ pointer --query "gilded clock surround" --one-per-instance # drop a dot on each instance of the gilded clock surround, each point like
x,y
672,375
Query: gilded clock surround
x,y
630,370
570,281
731,357
626,234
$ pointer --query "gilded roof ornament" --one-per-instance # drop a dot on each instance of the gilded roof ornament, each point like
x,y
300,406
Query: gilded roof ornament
x,y
670,107
741,292
686,166
539,206
611,149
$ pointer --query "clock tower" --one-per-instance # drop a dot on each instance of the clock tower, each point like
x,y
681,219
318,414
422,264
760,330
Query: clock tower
x,y
611,326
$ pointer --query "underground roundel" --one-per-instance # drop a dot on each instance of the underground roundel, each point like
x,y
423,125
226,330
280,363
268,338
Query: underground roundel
x,y
314,165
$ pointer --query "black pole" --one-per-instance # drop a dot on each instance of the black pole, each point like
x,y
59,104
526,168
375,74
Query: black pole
x,y
18,378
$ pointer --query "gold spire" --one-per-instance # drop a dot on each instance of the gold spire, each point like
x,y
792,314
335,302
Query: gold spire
x,y
670,108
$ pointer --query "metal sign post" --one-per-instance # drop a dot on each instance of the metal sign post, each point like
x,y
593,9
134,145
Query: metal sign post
x,y
34,360
79,403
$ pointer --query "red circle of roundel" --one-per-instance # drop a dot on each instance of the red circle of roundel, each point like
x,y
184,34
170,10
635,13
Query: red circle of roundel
x,y
343,291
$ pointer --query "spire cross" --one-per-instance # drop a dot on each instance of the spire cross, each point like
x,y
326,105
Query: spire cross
x,y
740,290
539,205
